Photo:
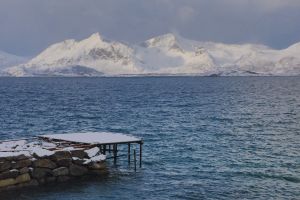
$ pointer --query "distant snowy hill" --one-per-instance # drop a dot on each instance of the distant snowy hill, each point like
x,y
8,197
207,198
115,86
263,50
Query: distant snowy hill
x,y
167,54
8,60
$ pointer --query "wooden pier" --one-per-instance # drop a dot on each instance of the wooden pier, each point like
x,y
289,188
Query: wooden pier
x,y
60,157
106,141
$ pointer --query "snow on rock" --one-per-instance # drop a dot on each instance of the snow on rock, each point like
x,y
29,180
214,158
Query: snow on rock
x,y
14,154
12,145
68,148
97,158
41,152
19,168
48,145
19,147
92,152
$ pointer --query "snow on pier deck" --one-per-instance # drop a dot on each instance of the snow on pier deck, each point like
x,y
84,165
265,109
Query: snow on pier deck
x,y
101,138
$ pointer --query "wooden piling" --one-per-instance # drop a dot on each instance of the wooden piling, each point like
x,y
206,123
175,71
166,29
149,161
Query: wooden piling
x,y
141,144
134,156
104,149
115,153
100,147
128,153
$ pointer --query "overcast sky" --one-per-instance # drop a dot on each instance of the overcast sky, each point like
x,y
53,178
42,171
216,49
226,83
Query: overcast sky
x,y
29,26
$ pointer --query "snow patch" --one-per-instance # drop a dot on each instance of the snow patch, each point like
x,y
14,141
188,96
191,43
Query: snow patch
x,y
40,152
13,154
68,149
98,158
92,152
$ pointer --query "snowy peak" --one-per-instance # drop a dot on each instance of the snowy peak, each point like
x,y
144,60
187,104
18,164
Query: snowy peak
x,y
166,40
104,56
166,54
69,48
94,38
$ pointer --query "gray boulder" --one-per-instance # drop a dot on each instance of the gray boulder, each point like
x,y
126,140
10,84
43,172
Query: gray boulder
x,y
39,173
62,171
77,170
4,165
44,163
9,174
21,163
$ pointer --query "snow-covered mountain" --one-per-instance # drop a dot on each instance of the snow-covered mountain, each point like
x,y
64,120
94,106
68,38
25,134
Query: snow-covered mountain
x,y
8,60
91,57
166,54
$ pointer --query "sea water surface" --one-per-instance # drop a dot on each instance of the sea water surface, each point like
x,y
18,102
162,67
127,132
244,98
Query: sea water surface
x,y
205,137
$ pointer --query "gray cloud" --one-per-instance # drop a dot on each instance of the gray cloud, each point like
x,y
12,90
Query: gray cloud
x,y
27,27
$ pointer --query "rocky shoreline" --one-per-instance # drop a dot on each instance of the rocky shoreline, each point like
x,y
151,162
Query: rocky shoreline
x,y
20,170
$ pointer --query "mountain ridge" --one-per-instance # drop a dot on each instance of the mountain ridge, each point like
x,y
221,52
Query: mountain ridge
x,y
165,54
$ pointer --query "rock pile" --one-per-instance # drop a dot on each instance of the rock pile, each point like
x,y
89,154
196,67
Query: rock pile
x,y
37,168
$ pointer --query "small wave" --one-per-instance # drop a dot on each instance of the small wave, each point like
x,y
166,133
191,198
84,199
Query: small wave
x,y
271,176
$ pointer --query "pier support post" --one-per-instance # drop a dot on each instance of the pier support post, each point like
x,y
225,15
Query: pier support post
x,y
134,156
128,153
104,149
101,149
115,149
141,144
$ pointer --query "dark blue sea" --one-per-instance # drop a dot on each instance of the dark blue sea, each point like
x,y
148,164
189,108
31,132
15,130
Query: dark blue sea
x,y
205,137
